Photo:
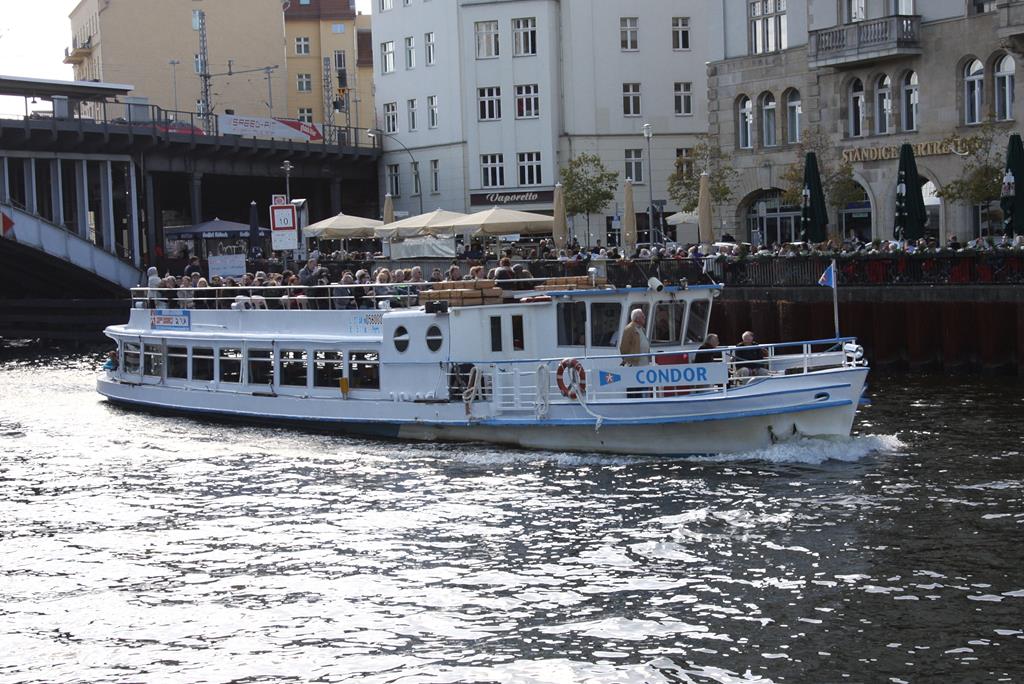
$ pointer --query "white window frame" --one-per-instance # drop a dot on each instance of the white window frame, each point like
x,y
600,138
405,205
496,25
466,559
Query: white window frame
x,y
488,103
903,8
855,11
337,27
305,114
435,176
391,117
393,179
794,114
429,48
911,100
855,116
414,170
629,34
488,45
680,34
528,101
1005,87
432,111
632,105
745,120
410,108
528,167
883,105
974,94
683,98
768,26
387,57
304,83
386,5
524,37
410,52
634,164
302,45
492,170
769,121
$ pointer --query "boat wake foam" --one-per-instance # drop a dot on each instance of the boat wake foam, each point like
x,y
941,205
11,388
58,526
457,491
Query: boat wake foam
x,y
816,450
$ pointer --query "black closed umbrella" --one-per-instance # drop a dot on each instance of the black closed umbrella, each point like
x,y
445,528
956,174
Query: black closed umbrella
x,y
911,216
1012,200
254,226
813,212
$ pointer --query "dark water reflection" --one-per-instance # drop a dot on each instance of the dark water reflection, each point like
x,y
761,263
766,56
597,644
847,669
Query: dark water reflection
x,y
147,548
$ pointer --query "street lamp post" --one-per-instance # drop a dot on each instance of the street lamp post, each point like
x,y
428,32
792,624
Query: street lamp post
x,y
374,132
648,133
287,167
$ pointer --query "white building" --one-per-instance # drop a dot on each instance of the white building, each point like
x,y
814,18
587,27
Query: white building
x,y
492,97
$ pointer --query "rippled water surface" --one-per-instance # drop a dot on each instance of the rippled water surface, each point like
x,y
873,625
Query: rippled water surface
x,y
137,547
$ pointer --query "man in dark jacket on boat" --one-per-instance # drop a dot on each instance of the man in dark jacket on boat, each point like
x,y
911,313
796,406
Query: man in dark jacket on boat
x,y
750,362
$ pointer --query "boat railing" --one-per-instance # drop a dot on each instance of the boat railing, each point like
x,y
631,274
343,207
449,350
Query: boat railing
x,y
532,384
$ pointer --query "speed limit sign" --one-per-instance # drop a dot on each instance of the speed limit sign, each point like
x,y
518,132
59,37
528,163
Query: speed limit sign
x,y
284,234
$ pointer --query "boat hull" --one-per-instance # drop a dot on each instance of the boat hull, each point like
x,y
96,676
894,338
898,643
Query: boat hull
x,y
745,420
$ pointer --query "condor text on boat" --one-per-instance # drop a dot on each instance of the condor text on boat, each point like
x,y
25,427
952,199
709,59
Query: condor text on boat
x,y
471,361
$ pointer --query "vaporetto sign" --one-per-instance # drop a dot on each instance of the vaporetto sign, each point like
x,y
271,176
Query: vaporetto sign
x,y
931,148
498,198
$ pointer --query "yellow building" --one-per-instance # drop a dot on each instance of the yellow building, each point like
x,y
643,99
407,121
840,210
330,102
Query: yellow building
x,y
152,45
329,33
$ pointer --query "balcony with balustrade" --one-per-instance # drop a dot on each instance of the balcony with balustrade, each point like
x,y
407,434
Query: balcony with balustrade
x,y
865,41
1011,24
78,51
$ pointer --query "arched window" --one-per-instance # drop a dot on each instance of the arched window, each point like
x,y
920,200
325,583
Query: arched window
x,y
974,82
883,104
769,119
1005,68
794,111
746,123
910,97
856,104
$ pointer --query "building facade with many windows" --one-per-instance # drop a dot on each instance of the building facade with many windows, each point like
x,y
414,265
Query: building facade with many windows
x,y
863,76
491,99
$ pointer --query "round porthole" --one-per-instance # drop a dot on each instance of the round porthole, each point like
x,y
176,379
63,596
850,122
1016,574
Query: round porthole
x,y
434,338
401,338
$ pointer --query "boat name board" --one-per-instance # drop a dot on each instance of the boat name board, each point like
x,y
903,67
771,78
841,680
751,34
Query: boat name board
x,y
663,376
365,323
170,319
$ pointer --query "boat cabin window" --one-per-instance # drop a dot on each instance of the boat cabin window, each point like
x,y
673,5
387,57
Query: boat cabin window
x,y
604,323
364,370
518,339
401,339
153,360
230,364
434,338
202,363
132,358
177,362
495,333
572,322
668,322
697,326
261,367
293,367
328,368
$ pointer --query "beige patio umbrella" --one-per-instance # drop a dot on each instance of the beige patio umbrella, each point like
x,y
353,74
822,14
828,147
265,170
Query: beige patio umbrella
x,y
498,221
704,218
628,221
437,222
340,227
559,230
389,209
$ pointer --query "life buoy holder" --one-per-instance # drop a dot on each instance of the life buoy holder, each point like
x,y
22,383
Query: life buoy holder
x,y
580,383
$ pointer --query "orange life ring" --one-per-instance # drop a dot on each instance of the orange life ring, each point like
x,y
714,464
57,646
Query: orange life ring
x,y
581,377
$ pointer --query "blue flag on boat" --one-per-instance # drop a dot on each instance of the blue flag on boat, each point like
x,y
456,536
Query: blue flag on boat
x,y
828,278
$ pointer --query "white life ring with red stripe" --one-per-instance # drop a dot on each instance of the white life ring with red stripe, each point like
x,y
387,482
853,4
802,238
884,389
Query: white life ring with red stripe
x,y
580,383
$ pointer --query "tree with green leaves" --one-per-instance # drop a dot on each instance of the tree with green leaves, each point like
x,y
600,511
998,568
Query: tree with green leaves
x,y
836,173
588,185
981,180
684,183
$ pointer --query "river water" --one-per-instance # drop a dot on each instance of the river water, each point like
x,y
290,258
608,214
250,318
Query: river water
x,y
137,547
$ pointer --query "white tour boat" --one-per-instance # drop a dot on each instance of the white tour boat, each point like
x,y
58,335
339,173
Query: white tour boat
x,y
468,361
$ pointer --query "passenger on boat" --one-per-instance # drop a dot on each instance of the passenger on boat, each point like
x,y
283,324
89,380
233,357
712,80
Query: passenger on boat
x,y
202,295
193,266
454,272
634,341
435,276
309,273
750,362
705,356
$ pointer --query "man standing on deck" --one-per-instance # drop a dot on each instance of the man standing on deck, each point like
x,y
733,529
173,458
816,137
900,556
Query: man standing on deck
x,y
634,341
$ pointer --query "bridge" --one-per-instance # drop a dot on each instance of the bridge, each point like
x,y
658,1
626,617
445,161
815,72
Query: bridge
x,y
87,191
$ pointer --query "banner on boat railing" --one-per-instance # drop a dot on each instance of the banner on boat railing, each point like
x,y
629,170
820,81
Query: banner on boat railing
x,y
616,377
170,319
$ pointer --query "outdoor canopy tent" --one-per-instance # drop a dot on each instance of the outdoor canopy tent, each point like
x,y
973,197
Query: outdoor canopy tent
x,y
212,229
341,227
437,222
498,221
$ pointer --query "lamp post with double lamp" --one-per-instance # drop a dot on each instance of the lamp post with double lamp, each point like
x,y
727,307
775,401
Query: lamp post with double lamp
x,y
288,167
649,133
374,132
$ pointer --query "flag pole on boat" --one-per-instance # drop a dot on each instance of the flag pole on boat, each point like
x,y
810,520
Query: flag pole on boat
x,y
828,279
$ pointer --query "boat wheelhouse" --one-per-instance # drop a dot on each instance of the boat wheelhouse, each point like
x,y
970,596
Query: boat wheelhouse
x,y
537,368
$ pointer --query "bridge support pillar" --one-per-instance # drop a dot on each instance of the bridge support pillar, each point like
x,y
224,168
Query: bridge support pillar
x,y
29,169
335,196
134,198
82,198
57,192
5,192
107,206
196,197
152,219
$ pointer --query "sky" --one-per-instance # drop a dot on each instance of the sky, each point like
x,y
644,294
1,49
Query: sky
x,y
33,36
